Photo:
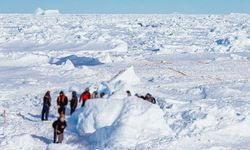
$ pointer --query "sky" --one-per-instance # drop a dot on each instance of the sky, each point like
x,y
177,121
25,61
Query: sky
x,y
128,6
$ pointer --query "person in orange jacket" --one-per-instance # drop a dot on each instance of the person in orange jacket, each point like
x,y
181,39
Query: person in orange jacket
x,y
85,96
62,102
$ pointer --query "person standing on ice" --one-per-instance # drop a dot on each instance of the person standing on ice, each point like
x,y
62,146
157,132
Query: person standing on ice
x,y
62,102
46,105
85,96
73,102
59,125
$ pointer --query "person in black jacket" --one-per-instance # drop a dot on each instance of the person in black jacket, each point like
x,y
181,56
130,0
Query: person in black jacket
x,y
147,97
62,102
73,102
46,105
59,125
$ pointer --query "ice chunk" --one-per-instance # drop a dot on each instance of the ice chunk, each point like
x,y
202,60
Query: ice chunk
x,y
51,12
128,76
39,11
120,122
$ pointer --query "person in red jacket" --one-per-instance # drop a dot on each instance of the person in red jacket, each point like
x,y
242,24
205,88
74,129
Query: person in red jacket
x,y
85,96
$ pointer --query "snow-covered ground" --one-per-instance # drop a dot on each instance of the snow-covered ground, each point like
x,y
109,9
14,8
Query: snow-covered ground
x,y
196,66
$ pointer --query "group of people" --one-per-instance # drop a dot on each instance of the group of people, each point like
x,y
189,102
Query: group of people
x,y
148,97
62,101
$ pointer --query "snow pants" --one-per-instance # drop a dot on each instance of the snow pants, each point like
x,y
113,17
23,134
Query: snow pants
x,y
45,113
72,110
58,138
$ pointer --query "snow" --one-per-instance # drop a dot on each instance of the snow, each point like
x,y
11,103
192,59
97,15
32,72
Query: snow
x,y
127,76
196,66
120,122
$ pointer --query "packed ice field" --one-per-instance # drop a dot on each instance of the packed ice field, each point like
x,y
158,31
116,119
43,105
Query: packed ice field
x,y
196,66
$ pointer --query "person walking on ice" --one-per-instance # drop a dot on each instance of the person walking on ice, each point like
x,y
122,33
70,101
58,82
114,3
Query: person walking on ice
x,y
59,126
46,106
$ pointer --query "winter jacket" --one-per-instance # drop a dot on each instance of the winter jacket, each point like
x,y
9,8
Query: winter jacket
x,y
59,125
85,96
148,98
73,101
62,100
46,100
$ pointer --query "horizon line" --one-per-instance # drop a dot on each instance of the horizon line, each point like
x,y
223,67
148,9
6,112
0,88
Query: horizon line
x,y
177,13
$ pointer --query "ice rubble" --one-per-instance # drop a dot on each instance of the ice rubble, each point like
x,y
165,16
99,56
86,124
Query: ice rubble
x,y
161,34
199,104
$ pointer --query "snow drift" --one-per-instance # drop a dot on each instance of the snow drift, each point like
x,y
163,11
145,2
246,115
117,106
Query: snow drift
x,y
119,122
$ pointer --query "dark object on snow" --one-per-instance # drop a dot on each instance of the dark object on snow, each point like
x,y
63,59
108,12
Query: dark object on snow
x,y
73,102
59,125
46,105
128,93
224,42
62,102
102,94
85,96
147,97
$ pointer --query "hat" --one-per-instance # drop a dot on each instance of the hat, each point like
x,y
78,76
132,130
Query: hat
x,y
61,92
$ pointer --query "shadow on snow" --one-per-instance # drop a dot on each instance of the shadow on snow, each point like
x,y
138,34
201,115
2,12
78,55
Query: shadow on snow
x,y
76,61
